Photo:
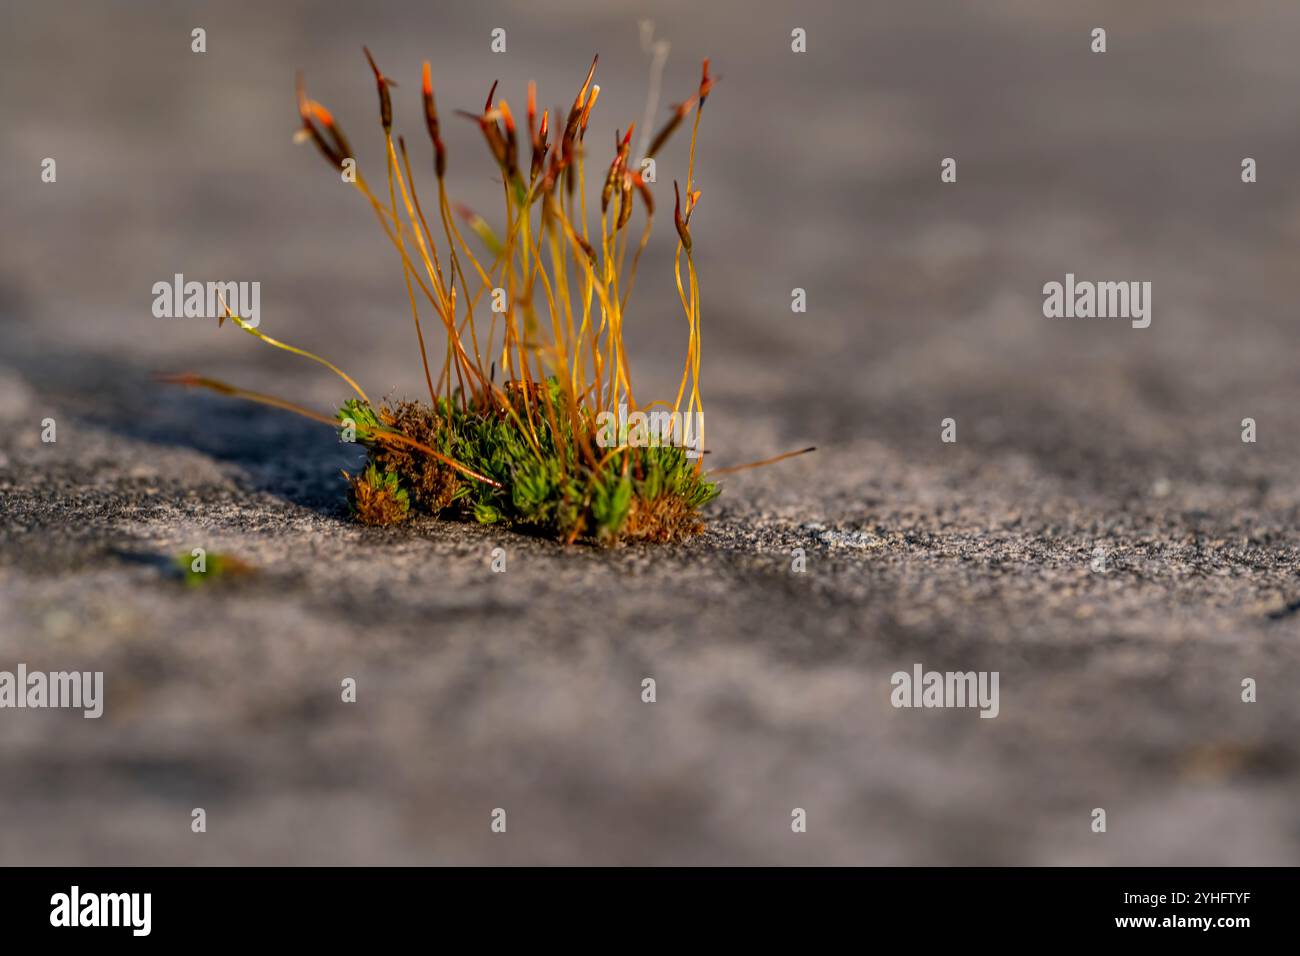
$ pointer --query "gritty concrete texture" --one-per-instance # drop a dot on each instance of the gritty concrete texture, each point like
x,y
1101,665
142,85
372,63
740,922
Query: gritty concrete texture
x,y
1120,688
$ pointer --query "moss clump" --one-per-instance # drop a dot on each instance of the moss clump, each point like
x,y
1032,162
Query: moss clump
x,y
563,484
526,455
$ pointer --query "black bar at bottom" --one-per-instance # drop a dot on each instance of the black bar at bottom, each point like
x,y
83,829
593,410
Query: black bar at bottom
x,y
307,906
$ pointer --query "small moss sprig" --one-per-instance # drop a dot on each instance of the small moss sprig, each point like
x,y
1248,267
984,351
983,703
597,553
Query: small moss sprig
x,y
216,567
526,453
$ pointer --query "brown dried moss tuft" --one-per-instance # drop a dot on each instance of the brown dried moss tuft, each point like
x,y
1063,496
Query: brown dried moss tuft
x,y
663,520
376,501
432,485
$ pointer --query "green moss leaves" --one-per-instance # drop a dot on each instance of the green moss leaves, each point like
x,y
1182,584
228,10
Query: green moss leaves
x,y
557,484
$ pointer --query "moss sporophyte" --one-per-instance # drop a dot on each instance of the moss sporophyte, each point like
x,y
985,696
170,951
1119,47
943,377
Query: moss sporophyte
x,y
561,444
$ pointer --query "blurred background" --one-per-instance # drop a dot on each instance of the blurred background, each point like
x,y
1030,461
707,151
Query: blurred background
x,y
819,170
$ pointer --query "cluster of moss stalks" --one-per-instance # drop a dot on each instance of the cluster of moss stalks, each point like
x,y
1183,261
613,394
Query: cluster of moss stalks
x,y
632,494
524,454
